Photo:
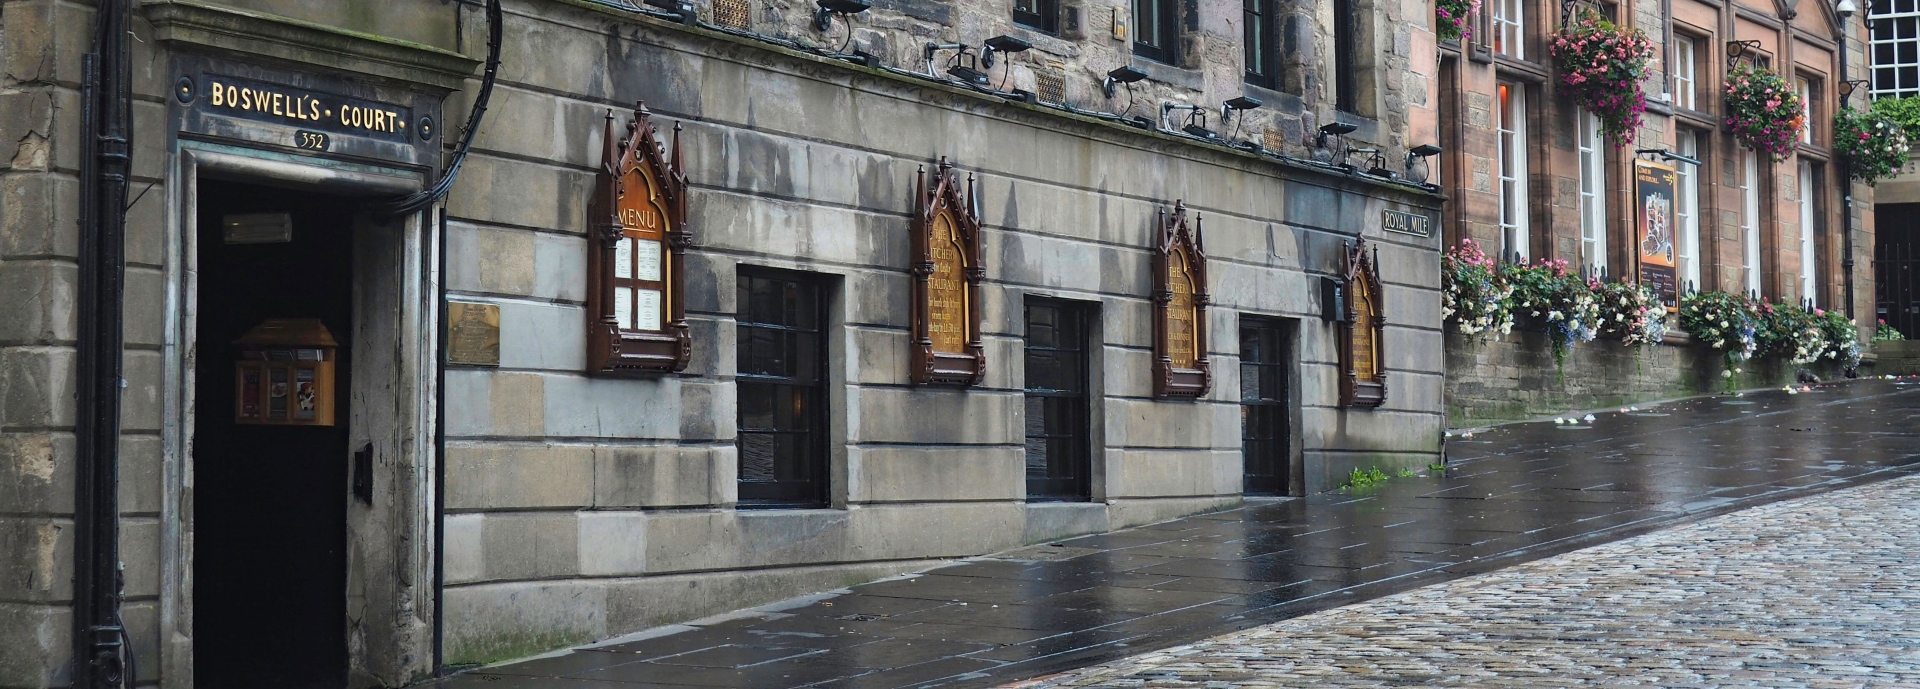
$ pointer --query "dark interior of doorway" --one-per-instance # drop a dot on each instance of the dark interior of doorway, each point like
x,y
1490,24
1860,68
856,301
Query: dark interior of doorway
x,y
269,505
1266,406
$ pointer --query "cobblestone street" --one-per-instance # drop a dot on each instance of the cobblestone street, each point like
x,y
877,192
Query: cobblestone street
x,y
1813,592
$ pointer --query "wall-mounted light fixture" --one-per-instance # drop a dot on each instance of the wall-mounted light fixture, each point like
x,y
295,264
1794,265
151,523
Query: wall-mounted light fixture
x,y
823,18
679,7
1124,74
1002,44
1741,49
1338,131
964,65
1420,154
1376,162
1667,155
1196,122
1845,8
1241,103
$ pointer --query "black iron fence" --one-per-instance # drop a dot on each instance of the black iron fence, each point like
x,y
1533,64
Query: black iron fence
x,y
1896,279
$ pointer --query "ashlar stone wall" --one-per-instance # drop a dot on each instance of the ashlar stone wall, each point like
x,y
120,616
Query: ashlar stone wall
x,y
583,507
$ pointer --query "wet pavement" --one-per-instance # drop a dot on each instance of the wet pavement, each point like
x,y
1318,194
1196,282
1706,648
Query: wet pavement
x,y
1802,593
1510,495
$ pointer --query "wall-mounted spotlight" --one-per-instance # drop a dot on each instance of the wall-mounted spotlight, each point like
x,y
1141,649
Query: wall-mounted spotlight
x,y
1420,154
1338,131
1196,123
964,65
1241,103
1741,49
1376,162
1668,156
1124,74
680,7
823,18
1002,44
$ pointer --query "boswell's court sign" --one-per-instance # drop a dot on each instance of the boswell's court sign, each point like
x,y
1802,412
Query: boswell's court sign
x,y
311,113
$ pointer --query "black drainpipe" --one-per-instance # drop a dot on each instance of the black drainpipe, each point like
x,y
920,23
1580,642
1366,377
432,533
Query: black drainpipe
x,y
1846,188
99,649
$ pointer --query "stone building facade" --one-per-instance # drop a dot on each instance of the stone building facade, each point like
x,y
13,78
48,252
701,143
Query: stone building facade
x,y
1529,175
483,494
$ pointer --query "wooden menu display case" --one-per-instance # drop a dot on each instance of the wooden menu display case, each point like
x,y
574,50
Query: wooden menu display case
x,y
285,374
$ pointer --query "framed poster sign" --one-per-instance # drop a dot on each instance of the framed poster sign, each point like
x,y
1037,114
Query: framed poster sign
x,y
1653,185
638,243
1180,299
946,273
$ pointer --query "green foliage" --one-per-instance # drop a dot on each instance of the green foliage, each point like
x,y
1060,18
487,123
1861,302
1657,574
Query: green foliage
x,y
1365,478
1437,467
1886,333
1405,473
1905,111
1725,322
1843,338
1789,332
1763,110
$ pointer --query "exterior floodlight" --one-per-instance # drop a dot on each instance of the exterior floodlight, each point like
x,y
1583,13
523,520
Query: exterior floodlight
x,y
1337,130
1196,123
1420,154
823,19
1845,9
1241,103
1124,74
964,65
679,7
1001,44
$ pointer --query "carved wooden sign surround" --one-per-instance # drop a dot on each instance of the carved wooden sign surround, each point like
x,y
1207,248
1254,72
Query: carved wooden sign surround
x,y
1363,376
1180,299
946,281
635,293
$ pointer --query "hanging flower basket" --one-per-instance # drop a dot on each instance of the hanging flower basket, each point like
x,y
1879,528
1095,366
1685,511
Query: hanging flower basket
x,y
1450,18
1763,111
1875,146
1601,66
1472,294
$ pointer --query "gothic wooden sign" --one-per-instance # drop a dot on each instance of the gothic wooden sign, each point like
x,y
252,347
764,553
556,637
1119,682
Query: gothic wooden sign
x,y
1180,366
635,281
946,281
1363,378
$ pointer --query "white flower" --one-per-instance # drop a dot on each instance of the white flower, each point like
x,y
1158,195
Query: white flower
x,y
1726,374
1723,324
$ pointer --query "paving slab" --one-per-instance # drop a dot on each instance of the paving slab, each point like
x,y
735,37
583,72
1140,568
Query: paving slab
x,y
1509,495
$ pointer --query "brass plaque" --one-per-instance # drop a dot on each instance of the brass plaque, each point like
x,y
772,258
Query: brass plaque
x,y
947,321
1181,335
473,334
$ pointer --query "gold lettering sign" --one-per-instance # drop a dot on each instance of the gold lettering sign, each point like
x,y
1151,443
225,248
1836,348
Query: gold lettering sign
x,y
270,102
1182,338
947,303
639,282
1366,365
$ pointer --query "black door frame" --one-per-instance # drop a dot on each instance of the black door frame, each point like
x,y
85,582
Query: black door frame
x,y
1078,436
1281,362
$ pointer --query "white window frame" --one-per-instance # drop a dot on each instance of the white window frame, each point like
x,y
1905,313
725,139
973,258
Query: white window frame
x,y
1687,206
1510,126
1805,89
1809,228
1893,28
1591,140
1509,28
1682,67
1750,220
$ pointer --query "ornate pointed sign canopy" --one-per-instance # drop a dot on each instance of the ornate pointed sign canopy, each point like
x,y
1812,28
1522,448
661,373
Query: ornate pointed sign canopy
x,y
1180,299
637,245
1363,377
946,281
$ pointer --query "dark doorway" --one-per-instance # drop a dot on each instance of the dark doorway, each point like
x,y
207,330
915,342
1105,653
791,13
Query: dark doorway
x,y
782,386
1059,465
269,502
1896,267
1266,442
